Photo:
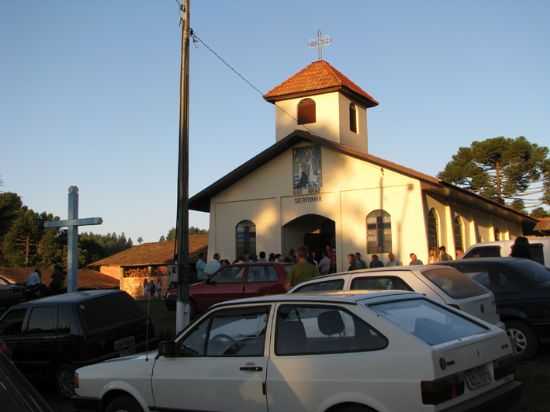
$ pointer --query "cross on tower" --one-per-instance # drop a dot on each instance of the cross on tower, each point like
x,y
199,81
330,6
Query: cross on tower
x,y
320,43
72,224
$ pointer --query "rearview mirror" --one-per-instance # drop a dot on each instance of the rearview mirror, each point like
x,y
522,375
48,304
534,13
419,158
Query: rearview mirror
x,y
168,349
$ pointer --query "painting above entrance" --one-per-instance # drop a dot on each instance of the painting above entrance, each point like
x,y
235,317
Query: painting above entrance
x,y
306,164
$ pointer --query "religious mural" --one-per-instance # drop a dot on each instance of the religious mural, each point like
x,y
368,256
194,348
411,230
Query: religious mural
x,y
306,164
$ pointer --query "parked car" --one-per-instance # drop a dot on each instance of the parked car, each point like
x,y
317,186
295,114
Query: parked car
x,y
386,351
235,282
440,283
16,392
538,246
50,337
522,293
10,293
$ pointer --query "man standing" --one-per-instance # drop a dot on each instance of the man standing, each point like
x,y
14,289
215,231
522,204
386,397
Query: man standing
x,y
199,267
375,262
443,255
359,262
34,279
212,266
324,264
303,270
261,257
392,260
415,260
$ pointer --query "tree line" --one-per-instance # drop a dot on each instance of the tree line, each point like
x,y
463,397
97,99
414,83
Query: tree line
x,y
25,242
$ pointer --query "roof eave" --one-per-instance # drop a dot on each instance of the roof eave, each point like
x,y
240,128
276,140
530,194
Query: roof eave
x,y
364,101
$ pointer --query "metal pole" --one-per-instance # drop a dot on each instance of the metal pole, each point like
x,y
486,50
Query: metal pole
x,y
72,241
182,226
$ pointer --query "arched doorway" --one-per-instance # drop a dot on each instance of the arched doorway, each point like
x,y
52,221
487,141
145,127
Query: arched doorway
x,y
313,231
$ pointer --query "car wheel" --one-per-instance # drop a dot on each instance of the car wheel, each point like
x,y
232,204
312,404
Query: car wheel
x,y
351,408
64,379
123,403
523,339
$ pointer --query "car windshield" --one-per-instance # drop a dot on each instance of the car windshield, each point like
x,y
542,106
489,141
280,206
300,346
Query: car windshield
x,y
454,283
427,321
534,271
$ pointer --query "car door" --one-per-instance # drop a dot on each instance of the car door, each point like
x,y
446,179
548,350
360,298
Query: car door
x,y
318,353
11,329
39,338
221,364
262,280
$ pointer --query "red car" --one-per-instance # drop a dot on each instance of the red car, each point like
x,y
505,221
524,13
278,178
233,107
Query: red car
x,y
235,282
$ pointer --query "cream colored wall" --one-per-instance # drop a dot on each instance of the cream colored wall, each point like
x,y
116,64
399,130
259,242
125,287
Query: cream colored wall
x,y
472,218
332,119
350,190
358,140
327,122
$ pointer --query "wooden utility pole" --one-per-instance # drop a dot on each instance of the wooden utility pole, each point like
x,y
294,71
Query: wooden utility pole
x,y
182,226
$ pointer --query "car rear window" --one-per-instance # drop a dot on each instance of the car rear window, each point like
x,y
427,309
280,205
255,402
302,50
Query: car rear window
x,y
329,285
483,251
109,310
454,283
428,321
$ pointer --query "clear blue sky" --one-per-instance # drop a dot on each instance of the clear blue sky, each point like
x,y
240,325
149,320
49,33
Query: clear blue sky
x,y
89,90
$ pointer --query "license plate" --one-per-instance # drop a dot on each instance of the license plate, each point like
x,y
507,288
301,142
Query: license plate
x,y
478,377
125,346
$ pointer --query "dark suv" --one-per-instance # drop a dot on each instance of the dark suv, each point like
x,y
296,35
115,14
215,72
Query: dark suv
x,y
51,337
522,294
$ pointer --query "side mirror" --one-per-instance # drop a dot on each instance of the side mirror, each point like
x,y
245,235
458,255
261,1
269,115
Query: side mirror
x,y
210,281
168,349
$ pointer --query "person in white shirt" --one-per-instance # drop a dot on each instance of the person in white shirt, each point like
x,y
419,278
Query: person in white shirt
x,y
199,267
324,265
35,278
392,260
212,266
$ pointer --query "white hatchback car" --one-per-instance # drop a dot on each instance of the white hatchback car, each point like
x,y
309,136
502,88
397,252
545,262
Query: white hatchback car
x,y
384,351
440,283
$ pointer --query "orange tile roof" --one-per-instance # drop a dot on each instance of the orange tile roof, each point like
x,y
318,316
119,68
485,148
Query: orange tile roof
x,y
156,253
543,225
87,278
318,77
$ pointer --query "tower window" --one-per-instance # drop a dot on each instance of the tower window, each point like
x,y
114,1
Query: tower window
x,y
306,111
353,118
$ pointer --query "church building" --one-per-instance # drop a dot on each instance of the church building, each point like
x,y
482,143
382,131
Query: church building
x,y
318,185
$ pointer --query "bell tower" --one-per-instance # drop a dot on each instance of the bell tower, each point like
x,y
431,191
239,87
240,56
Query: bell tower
x,y
324,102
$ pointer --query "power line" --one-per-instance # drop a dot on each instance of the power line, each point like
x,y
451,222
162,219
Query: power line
x,y
197,39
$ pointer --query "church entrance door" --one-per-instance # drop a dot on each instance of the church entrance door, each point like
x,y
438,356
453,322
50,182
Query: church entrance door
x,y
314,232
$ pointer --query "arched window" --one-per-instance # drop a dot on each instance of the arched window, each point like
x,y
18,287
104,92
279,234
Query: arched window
x,y
433,230
245,238
457,232
498,235
353,118
306,111
378,232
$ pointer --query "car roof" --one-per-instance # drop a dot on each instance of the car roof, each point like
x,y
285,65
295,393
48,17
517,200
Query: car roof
x,y
471,261
73,297
411,268
350,297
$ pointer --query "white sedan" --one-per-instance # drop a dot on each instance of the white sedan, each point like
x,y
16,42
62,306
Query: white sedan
x,y
440,283
342,352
